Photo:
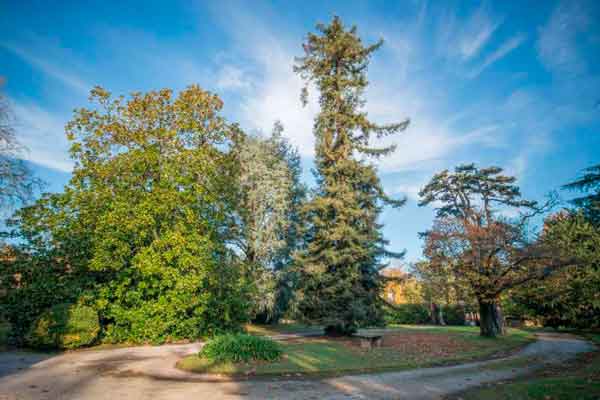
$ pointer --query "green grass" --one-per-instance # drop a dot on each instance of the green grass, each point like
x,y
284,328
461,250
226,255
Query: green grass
x,y
576,381
278,329
323,356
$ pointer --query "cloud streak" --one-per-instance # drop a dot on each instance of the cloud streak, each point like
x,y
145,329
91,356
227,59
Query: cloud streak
x,y
48,68
42,133
557,43
499,53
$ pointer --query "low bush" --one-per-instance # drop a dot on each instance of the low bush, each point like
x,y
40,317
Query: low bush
x,y
64,326
241,348
415,313
454,315
407,314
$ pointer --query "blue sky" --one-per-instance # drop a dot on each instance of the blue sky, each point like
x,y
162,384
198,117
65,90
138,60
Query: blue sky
x,y
514,84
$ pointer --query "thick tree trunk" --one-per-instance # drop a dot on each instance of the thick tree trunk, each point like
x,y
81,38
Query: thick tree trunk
x,y
491,319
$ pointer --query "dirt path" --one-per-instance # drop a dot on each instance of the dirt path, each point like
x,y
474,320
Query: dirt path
x,y
148,373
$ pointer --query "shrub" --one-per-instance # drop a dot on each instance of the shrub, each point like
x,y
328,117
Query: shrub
x,y
64,326
454,315
5,330
407,314
31,285
240,348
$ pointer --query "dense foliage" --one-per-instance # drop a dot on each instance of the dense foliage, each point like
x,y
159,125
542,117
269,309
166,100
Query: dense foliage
x,y
420,313
141,230
570,297
64,326
407,313
240,348
340,266
265,231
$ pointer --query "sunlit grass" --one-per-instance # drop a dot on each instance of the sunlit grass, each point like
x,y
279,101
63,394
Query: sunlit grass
x,y
325,356
278,329
577,381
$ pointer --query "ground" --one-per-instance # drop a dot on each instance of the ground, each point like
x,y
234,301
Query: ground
x,y
149,373
578,379
403,348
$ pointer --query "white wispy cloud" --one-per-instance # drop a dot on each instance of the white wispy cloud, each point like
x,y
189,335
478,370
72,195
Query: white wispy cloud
x,y
557,43
49,68
477,32
504,49
275,90
231,77
42,133
394,94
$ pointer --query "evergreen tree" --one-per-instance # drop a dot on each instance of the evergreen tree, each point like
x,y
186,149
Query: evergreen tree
x,y
588,183
339,267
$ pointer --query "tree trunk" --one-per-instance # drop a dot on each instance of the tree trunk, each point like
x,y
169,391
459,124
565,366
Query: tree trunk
x,y
441,316
437,314
491,320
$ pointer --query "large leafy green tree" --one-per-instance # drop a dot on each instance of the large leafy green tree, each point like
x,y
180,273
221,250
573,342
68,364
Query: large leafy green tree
x,y
339,268
490,252
144,218
571,297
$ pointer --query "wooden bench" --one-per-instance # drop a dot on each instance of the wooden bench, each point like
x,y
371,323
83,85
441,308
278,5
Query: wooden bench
x,y
369,340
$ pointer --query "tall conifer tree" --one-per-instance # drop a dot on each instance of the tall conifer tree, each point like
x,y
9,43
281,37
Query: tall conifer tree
x,y
339,267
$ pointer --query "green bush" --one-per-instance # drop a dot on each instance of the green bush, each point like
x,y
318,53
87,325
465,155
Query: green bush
x,y
64,326
240,348
420,314
5,330
454,315
407,314
33,284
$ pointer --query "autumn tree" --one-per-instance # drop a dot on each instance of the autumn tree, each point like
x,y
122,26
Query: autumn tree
x,y
340,265
401,287
491,252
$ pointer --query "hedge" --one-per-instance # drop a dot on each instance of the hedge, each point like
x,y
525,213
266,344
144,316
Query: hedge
x,y
64,326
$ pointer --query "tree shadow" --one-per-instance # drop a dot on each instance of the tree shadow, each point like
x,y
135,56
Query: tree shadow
x,y
12,362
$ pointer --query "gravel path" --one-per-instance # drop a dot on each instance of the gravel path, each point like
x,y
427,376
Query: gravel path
x,y
148,373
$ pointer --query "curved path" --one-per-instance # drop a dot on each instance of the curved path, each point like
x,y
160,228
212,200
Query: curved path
x,y
148,373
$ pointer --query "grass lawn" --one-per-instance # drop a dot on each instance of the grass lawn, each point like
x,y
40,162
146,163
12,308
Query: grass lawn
x,y
404,347
277,329
579,380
